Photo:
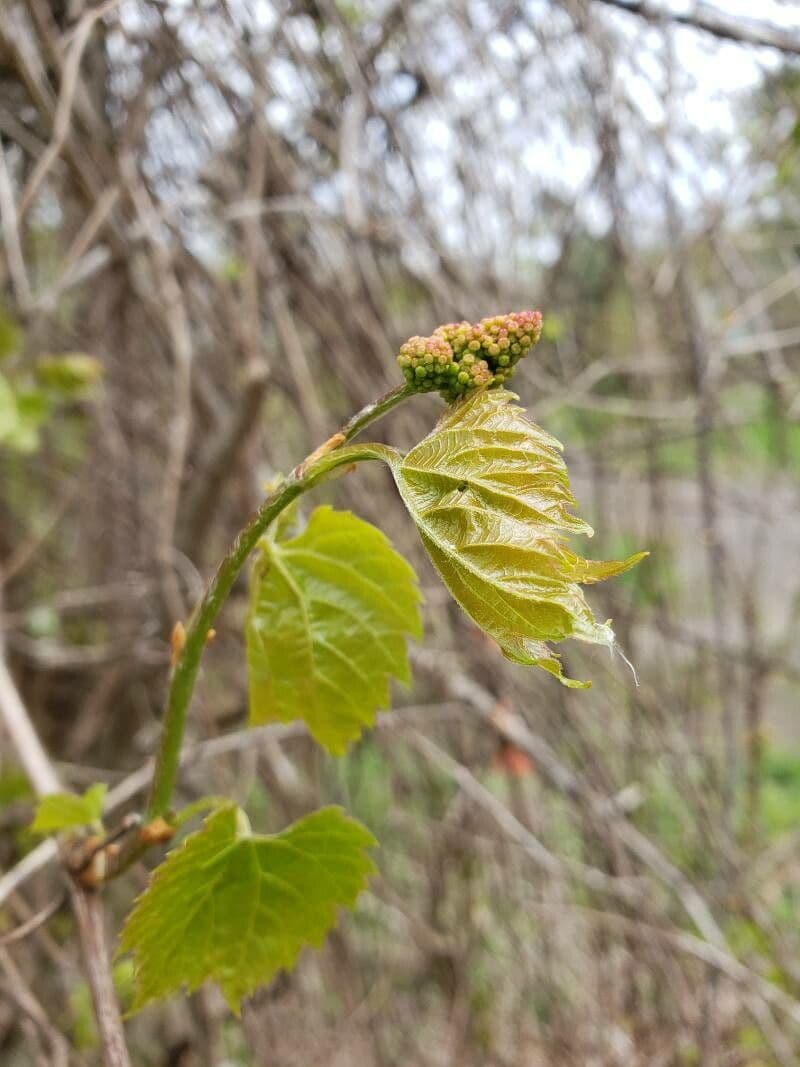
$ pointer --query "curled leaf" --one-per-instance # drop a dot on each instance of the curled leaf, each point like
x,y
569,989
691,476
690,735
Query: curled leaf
x,y
489,493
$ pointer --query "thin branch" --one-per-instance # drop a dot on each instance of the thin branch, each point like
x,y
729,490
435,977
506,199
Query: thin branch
x,y
33,923
710,20
88,907
170,295
35,761
62,121
86,904
9,219
591,877
17,991
220,457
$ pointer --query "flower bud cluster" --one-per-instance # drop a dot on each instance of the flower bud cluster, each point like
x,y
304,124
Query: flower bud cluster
x,y
428,364
461,356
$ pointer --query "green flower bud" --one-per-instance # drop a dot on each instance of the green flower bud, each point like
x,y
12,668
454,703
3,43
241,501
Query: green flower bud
x,y
460,356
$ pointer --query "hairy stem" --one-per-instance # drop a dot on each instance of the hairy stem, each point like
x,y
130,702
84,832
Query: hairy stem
x,y
330,455
374,411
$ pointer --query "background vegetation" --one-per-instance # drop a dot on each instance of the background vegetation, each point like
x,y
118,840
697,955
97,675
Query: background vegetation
x,y
219,222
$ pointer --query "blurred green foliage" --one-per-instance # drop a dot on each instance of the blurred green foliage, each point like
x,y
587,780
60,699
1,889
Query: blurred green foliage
x,y
780,792
32,390
14,786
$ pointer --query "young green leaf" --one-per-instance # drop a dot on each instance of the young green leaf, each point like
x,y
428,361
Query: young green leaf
x,y
64,811
237,907
489,493
330,612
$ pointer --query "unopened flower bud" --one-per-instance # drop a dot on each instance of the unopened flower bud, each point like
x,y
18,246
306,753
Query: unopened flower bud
x,y
460,356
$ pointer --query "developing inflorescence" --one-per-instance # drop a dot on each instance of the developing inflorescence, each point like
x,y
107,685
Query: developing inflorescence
x,y
461,356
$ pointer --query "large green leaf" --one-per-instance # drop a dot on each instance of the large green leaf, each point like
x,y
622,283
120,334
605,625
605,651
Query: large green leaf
x,y
490,495
330,612
65,811
236,907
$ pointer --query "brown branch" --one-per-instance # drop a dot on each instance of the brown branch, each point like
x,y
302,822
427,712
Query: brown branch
x,y
17,991
706,18
62,121
220,459
87,905
9,226
33,923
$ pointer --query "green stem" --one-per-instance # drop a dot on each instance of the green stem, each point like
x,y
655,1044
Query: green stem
x,y
331,455
374,411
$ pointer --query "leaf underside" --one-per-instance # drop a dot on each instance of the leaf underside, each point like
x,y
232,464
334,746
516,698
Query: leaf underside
x,y
237,907
67,811
330,613
489,493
